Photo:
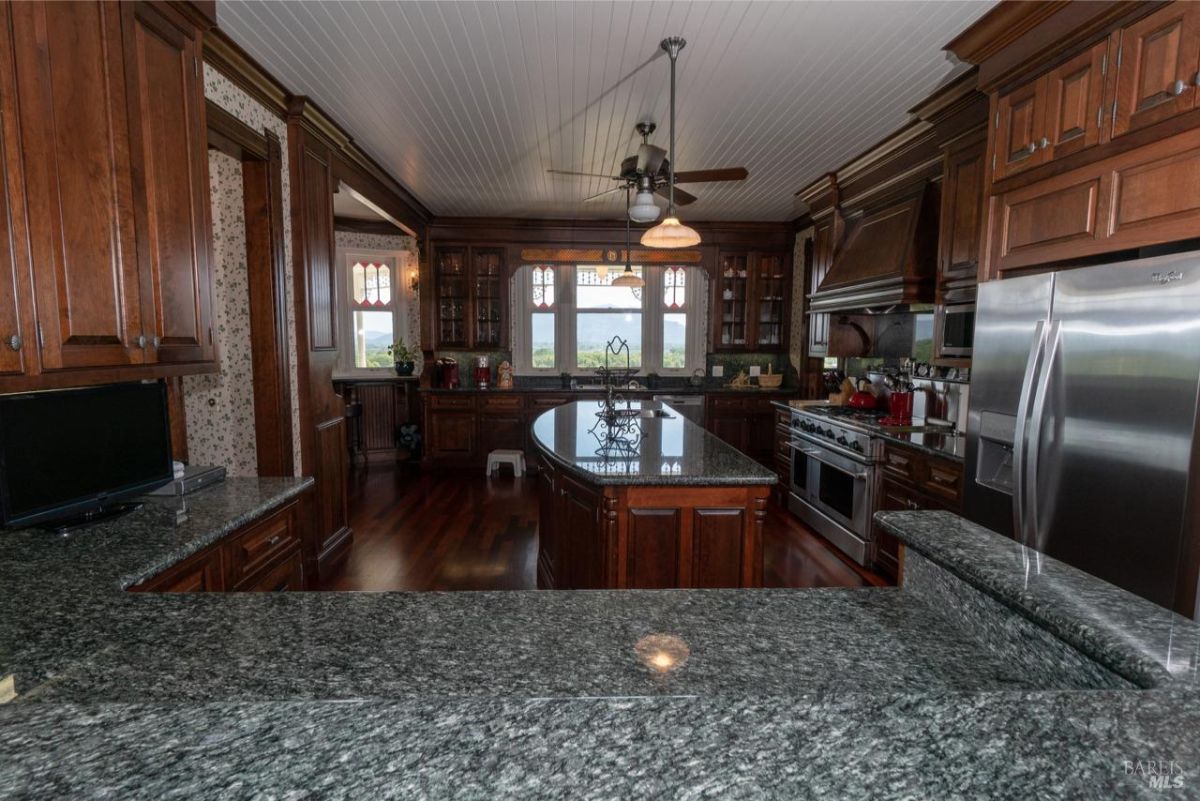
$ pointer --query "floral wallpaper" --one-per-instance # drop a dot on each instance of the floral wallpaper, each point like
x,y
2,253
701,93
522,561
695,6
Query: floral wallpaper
x,y
209,420
798,348
220,406
349,240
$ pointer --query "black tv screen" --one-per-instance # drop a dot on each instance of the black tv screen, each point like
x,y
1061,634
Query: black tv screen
x,y
72,451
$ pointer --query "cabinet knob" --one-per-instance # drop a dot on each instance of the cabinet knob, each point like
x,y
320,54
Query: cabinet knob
x,y
1044,143
1032,147
15,341
155,342
1178,87
141,341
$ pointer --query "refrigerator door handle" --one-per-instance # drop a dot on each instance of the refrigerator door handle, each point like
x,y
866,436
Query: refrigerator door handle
x,y
1033,457
1027,386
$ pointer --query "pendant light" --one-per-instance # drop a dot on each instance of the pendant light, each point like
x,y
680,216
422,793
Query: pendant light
x,y
628,278
644,209
671,233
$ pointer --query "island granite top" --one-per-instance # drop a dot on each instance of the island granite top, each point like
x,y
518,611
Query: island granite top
x,y
653,451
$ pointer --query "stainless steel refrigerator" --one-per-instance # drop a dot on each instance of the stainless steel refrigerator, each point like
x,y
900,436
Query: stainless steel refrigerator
x,y
1083,419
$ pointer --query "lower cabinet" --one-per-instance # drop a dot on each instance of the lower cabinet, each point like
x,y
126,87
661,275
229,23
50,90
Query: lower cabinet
x,y
746,423
266,555
912,480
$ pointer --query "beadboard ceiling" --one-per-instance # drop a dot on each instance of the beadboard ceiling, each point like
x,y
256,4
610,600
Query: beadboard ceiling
x,y
468,104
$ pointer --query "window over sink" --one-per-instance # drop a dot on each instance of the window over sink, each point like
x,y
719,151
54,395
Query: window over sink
x,y
565,314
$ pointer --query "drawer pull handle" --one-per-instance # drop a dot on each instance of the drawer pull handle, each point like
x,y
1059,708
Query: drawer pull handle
x,y
1178,87
275,540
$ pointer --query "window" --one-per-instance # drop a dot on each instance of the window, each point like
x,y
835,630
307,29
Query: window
x,y
566,314
374,312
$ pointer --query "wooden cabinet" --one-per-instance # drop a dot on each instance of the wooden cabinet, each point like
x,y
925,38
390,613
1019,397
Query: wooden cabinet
x,y
113,187
912,480
746,423
1055,115
502,423
961,219
1158,68
818,324
266,555
471,297
751,296
170,172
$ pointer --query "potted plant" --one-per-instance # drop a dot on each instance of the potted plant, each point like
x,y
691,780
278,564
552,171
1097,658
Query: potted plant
x,y
565,379
404,357
651,380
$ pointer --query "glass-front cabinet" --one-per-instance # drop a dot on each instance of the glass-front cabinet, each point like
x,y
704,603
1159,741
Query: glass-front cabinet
x,y
751,297
470,297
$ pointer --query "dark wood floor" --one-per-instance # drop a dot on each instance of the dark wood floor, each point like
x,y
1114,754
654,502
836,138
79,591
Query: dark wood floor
x,y
464,531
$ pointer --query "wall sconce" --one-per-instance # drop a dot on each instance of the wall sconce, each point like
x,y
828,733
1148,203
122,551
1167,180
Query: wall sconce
x,y
414,279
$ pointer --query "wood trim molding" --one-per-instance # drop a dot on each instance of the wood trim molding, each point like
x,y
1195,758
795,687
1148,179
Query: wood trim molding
x,y
598,233
610,256
247,74
997,29
377,227
233,137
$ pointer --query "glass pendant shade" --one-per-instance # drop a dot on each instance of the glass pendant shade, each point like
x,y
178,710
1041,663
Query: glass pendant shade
x,y
629,278
644,209
670,233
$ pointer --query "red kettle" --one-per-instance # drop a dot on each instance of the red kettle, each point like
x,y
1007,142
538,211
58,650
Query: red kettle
x,y
862,398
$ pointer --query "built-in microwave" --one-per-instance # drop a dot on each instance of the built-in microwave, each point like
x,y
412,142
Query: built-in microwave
x,y
955,330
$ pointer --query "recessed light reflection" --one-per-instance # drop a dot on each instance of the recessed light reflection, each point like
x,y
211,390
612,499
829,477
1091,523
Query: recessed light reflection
x,y
662,653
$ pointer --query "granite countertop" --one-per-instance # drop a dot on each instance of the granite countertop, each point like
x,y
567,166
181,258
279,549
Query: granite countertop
x,y
823,694
656,451
599,390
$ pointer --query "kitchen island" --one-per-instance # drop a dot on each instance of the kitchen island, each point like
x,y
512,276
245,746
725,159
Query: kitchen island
x,y
978,678
639,497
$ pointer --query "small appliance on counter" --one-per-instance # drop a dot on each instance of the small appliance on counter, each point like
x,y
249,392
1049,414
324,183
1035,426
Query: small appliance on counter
x,y
445,373
483,372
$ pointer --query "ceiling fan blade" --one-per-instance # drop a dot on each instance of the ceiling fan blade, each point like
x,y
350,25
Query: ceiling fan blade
x,y
703,176
584,174
602,194
650,158
681,198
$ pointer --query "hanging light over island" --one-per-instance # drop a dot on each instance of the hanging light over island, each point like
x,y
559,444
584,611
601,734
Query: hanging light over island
x,y
671,233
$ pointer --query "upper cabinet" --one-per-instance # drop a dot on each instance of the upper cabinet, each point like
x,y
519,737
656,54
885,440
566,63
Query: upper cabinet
x,y
751,293
166,100
471,297
1055,115
113,188
1157,67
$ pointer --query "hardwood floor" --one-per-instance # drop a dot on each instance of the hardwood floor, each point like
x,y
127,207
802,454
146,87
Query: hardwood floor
x,y
463,531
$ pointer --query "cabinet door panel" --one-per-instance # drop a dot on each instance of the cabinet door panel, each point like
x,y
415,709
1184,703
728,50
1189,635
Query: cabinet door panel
x,y
75,144
452,434
1018,130
822,258
717,547
652,551
1053,212
1074,95
1157,67
170,170
15,312
962,212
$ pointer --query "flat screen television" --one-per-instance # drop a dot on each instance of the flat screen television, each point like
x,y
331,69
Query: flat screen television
x,y
73,455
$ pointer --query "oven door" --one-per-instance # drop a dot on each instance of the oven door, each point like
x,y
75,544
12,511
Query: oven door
x,y
835,485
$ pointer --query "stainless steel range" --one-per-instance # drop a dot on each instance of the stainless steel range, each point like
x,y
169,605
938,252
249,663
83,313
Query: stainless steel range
x,y
834,476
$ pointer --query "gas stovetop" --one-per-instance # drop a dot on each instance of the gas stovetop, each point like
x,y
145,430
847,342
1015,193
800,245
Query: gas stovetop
x,y
841,428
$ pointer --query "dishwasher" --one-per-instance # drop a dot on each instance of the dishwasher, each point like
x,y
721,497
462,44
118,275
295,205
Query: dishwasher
x,y
689,406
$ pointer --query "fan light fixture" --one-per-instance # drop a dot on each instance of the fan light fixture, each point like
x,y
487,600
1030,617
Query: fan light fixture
x,y
644,209
671,233
628,278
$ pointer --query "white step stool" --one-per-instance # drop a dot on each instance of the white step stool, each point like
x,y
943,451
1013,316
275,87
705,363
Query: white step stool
x,y
506,456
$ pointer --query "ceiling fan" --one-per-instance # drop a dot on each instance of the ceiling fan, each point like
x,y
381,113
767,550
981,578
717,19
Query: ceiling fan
x,y
649,172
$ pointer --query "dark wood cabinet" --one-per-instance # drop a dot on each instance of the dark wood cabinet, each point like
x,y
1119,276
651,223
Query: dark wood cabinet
x,y
112,185
1018,127
266,555
751,299
912,480
471,297
961,224
822,253
1158,67
170,171
1074,103
748,423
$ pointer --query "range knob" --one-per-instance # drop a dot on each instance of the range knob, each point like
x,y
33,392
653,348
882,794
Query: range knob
x,y
829,432
843,441
856,445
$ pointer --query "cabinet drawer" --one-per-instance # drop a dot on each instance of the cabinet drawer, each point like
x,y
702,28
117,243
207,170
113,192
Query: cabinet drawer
x,y
548,401
902,464
727,404
944,481
501,402
287,576
200,572
452,401
255,548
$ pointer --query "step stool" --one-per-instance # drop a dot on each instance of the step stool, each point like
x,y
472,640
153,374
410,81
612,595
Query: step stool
x,y
506,456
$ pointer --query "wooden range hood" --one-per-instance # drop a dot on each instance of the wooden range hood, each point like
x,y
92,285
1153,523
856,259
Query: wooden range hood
x,y
888,257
